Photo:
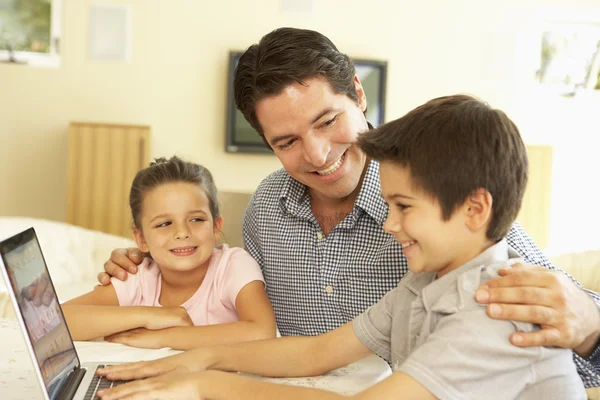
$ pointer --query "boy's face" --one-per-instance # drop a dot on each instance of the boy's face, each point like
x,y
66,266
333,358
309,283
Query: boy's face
x,y
415,219
312,131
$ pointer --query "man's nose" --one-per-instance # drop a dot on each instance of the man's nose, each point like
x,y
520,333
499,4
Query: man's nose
x,y
316,149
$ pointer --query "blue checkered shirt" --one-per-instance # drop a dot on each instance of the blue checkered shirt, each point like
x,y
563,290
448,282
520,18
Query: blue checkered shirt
x,y
318,283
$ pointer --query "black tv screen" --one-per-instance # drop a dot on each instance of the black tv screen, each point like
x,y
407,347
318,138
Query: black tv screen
x,y
242,138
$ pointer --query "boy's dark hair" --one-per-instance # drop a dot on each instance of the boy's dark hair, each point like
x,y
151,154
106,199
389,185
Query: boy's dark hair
x,y
286,56
454,145
173,170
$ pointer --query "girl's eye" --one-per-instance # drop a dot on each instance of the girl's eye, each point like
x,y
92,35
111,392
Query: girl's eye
x,y
163,224
198,219
286,144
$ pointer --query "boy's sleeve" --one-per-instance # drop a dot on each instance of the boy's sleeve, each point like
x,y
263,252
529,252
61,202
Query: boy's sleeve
x,y
470,353
519,240
241,269
129,292
373,327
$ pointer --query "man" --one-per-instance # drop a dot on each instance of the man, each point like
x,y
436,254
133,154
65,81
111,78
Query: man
x,y
315,226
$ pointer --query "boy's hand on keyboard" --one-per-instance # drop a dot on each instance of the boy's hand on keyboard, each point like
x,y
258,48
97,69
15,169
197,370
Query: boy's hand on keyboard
x,y
173,386
167,317
189,361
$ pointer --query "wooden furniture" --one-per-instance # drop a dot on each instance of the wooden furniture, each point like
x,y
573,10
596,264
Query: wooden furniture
x,y
535,210
103,160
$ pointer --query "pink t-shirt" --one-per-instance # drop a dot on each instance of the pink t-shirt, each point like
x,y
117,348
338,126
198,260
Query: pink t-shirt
x,y
229,270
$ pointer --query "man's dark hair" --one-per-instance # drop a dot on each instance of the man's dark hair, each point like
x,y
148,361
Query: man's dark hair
x,y
454,145
286,56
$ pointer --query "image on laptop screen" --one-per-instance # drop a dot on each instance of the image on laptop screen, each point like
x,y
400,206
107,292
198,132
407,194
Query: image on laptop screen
x,y
40,309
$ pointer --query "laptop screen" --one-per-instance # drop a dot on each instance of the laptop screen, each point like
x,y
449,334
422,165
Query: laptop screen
x,y
39,307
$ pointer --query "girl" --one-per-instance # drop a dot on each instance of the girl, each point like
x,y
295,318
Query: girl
x,y
187,292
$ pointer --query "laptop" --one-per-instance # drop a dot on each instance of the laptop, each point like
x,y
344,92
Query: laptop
x,y
59,371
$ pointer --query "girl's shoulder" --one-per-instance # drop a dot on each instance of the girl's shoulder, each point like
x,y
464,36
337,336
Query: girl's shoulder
x,y
148,268
225,252
226,258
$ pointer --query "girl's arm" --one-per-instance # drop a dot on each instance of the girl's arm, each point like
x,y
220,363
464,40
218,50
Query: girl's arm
x,y
257,321
98,314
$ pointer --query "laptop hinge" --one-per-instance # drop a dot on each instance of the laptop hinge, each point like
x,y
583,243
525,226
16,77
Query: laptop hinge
x,y
69,388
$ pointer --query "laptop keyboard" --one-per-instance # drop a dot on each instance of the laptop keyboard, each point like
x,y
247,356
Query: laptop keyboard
x,y
99,383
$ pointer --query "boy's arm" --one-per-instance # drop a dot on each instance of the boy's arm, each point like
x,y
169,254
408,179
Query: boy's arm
x,y
257,321
289,356
98,314
214,385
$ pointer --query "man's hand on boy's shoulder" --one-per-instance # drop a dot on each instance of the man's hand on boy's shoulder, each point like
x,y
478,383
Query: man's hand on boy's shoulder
x,y
121,261
568,316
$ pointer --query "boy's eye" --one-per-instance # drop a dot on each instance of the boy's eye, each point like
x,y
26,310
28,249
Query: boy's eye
x,y
198,219
286,144
167,223
401,206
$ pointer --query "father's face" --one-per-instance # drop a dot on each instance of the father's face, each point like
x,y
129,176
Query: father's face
x,y
312,131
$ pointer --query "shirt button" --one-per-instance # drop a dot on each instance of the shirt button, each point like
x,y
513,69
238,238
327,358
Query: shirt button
x,y
320,235
329,289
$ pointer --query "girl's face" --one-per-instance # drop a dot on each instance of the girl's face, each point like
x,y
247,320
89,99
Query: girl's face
x,y
177,227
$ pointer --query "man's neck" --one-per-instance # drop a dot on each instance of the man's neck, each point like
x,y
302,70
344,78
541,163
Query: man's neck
x,y
329,212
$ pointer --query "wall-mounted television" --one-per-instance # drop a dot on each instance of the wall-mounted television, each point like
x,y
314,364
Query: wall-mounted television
x,y
242,138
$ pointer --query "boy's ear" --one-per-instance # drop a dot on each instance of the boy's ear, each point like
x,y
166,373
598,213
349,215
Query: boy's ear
x,y
218,228
138,235
478,209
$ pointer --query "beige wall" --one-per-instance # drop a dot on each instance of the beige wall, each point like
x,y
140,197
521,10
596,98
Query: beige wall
x,y
176,83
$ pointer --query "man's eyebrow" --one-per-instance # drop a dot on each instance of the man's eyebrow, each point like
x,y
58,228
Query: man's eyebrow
x,y
322,113
286,136
279,138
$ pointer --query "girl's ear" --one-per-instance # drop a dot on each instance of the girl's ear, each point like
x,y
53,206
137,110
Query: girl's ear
x,y
478,209
138,235
218,228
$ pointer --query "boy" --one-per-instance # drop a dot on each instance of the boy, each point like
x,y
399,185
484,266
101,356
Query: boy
x,y
453,172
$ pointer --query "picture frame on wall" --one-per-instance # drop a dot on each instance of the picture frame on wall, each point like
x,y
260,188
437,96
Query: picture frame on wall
x,y
570,56
240,137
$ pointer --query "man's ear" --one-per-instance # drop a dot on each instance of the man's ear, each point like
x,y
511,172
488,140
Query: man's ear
x,y
218,228
138,235
478,209
360,93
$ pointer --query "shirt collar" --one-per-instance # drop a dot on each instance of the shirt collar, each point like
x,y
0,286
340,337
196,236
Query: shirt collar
x,y
498,253
294,197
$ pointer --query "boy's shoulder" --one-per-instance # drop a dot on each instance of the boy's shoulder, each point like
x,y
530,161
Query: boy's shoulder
x,y
461,295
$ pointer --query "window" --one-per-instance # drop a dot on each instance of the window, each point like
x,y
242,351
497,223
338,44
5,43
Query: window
x,y
30,32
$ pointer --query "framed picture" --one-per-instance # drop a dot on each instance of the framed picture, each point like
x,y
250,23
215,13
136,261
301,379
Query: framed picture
x,y
242,138
570,56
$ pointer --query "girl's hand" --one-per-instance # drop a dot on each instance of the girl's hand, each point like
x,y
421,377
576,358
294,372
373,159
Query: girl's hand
x,y
174,386
139,337
166,317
